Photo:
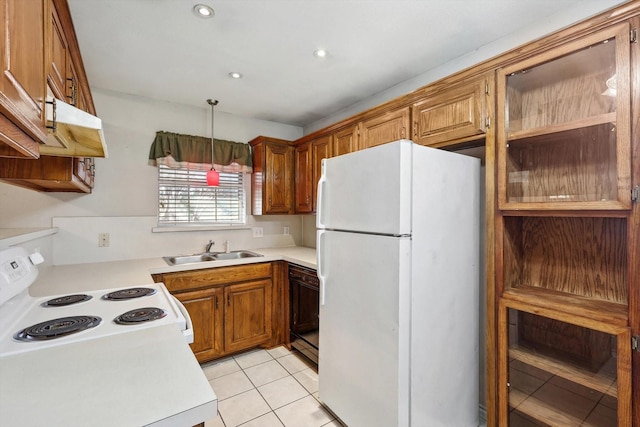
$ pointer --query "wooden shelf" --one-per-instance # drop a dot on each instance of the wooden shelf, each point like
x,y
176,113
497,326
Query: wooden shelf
x,y
603,381
562,127
573,305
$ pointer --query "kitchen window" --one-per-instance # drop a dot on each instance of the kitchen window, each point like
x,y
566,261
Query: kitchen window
x,y
184,199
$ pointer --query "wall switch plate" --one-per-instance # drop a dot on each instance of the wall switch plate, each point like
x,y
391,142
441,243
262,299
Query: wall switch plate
x,y
286,231
103,240
258,232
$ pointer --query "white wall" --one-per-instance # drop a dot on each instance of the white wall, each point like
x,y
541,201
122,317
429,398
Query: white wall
x,y
126,186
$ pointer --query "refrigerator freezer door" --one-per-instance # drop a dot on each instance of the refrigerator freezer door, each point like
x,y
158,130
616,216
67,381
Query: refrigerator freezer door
x,y
364,327
367,191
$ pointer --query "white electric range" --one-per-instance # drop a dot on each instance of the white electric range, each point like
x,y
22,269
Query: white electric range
x,y
145,369
31,324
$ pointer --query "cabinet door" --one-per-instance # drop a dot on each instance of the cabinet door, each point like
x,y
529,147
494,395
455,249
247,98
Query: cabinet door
x,y
22,83
345,141
563,370
388,127
205,310
304,180
454,115
278,178
59,66
563,126
247,314
321,149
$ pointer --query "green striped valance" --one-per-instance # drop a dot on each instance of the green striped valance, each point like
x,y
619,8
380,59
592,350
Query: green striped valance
x,y
194,152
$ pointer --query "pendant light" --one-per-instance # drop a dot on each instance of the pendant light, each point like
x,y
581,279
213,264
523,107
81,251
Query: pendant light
x,y
213,177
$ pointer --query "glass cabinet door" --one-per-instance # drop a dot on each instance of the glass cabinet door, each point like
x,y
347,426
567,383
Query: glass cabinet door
x,y
563,126
560,371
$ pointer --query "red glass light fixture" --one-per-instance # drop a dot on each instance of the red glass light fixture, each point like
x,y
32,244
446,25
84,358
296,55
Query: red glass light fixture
x,y
213,177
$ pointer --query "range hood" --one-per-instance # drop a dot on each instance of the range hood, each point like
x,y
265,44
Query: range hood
x,y
72,132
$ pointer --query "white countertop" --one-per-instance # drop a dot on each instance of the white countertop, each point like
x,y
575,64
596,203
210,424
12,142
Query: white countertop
x,y
62,279
134,379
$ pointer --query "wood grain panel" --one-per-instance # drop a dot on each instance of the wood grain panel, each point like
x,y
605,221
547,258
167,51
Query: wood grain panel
x,y
580,256
247,315
573,166
197,279
207,319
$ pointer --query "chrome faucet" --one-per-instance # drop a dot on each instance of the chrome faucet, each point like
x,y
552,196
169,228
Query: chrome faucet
x,y
208,248
226,246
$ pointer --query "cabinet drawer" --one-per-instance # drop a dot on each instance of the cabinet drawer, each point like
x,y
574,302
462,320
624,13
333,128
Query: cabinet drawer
x,y
189,280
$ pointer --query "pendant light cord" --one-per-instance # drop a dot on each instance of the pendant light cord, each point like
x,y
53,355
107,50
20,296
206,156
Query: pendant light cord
x,y
213,103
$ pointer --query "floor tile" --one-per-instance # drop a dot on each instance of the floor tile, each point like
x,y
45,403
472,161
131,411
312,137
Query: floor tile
x,y
242,408
220,368
252,358
265,373
230,385
292,363
282,392
278,352
308,378
214,422
267,420
306,412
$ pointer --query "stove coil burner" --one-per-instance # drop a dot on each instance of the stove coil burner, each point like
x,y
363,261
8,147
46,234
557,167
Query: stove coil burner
x,y
66,300
57,328
130,293
140,315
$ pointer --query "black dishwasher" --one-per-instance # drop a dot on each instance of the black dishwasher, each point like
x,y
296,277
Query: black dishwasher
x,y
305,289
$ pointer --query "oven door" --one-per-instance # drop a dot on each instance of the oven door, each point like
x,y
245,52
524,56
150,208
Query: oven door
x,y
304,320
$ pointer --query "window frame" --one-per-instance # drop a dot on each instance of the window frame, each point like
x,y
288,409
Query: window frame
x,y
196,179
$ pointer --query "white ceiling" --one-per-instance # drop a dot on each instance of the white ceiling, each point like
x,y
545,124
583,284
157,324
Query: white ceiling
x,y
159,49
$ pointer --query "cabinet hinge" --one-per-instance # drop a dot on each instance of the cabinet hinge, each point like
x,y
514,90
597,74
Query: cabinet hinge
x,y
487,122
635,193
633,37
635,343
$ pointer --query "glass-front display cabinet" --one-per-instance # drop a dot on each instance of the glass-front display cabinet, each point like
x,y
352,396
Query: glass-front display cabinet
x,y
558,370
563,126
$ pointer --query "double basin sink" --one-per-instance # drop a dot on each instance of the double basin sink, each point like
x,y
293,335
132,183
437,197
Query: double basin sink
x,y
209,256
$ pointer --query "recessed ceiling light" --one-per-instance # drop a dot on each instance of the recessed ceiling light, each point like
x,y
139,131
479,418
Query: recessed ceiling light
x,y
235,75
203,11
320,53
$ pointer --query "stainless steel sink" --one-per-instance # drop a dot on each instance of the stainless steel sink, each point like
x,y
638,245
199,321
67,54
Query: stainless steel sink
x,y
188,259
208,256
235,255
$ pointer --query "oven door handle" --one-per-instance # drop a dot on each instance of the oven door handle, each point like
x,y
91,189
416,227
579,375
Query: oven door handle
x,y
188,332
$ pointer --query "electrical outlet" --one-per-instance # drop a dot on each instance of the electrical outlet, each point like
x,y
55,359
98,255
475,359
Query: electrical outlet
x,y
286,231
103,240
258,232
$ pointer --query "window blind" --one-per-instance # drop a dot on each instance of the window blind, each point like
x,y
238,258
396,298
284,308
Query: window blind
x,y
185,199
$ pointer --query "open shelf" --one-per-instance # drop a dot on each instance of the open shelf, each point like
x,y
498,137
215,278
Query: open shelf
x,y
562,127
603,381
602,311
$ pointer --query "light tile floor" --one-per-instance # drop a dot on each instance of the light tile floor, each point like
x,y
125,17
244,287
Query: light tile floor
x,y
266,388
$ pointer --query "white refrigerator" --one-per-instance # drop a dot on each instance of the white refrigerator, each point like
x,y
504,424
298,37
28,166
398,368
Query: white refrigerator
x,y
397,247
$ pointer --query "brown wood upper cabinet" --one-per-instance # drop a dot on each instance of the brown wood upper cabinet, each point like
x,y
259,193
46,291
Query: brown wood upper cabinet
x,y
60,174
308,170
456,114
304,178
388,127
345,141
22,85
563,134
272,186
230,307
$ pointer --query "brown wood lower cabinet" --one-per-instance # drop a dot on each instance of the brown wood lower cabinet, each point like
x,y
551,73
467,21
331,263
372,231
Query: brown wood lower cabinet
x,y
231,308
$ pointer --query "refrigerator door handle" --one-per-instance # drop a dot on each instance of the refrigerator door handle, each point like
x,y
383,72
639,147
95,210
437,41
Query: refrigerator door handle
x,y
321,267
321,190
